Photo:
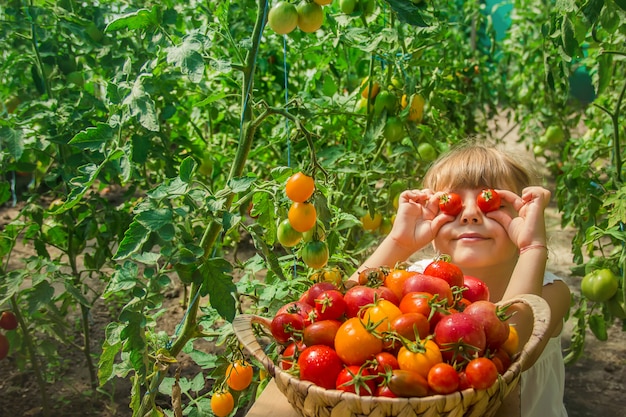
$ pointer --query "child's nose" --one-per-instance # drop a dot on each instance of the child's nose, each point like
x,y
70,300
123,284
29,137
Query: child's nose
x,y
471,213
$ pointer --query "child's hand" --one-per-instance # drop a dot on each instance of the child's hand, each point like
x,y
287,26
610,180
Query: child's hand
x,y
416,222
528,227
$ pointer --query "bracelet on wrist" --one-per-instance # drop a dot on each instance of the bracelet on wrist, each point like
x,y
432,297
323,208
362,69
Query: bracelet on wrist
x,y
529,247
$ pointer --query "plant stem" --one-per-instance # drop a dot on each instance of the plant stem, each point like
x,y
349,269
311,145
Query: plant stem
x,y
30,347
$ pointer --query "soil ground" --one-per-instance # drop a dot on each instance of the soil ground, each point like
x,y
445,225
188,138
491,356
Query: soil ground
x,y
595,384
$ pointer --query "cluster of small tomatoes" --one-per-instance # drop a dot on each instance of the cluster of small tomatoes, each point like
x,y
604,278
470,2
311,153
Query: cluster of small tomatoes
x,y
397,333
238,377
301,224
8,321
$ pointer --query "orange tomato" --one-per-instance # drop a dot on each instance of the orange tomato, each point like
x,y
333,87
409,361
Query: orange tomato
x,y
511,345
381,314
395,281
419,357
299,187
222,403
239,375
355,343
302,216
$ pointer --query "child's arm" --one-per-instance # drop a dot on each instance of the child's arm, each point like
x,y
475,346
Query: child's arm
x,y
529,233
415,226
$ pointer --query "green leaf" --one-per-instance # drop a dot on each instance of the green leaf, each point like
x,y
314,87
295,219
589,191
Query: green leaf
x,y
218,284
93,138
186,169
123,279
188,59
141,105
134,237
82,183
407,12
597,324
568,37
605,72
78,296
11,284
241,184
40,297
141,19
621,4
155,219
616,207
11,141
107,360
591,9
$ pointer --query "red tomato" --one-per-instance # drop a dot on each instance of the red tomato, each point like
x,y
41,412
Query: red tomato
x,y
443,378
289,356
356,380
417,302
430,284
355,342
321,332
4,346
407,384
321,365
8,321
442,268
460,337
493,320
481,373
304,310
488,200
286,327
384,391
330,305
383,363
411,326
318,288
450,203
475,289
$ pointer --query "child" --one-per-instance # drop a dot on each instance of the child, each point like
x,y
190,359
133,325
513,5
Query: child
x,y
505,248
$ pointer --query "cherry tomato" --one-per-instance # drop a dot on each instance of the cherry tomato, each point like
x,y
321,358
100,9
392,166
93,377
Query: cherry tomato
x,y
405,383
460,337
430,284
481,373
302,216
299,187
384,391
286,327
411,326
8,321
475,289
355,343
395,281
383,363
488,200
356,380
443,378
321,332
444,269
372,277
289,356
450,203
287,235
321,365
511,345
419,357
417,302
493,320
330,305
239,375
303,309
222,403
380,314
315,254
318,288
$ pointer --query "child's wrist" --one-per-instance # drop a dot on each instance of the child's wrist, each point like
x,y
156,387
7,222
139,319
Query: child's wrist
x,y
532,247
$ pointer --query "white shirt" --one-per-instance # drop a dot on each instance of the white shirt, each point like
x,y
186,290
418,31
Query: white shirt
x,y
543,384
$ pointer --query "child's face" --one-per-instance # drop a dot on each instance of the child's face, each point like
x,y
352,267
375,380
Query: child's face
x,y
472,239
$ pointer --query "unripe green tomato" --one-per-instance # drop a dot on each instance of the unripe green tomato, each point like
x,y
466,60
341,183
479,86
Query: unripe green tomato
x,y
315,254
599,285
287,235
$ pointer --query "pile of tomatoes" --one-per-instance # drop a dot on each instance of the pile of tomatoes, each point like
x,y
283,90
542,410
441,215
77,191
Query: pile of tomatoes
x,y
397,333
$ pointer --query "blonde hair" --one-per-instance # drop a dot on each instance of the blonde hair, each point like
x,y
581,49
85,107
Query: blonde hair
x,y
472,165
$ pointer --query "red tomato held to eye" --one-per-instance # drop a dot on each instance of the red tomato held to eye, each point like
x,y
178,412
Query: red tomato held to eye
x,y
444,269
450,203
321,365
443,378
488,200
330,305
356,380
475,289
286,327
481,373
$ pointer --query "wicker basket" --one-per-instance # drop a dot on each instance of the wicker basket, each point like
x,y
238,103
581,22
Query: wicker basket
x,y
310,400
